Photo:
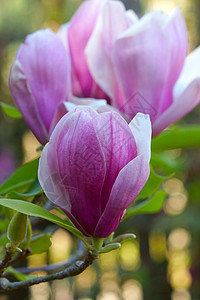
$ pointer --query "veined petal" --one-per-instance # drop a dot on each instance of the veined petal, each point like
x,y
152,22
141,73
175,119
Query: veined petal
x,y
127,186
52,184
190,72
141,129
81,164
83,84
111,23
119,148
26,103
186,93
44,61
182,105
146,87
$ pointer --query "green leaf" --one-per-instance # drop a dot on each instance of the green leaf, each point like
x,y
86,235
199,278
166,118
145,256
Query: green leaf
x,y
11,111
34,189
148,206
40,243
179,137
37,211
152,185
110,247
18,275
165,164
4,240
21,178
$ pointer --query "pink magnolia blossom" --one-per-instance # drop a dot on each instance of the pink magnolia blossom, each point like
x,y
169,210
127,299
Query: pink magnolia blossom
x,y
94,166
142,65
75,36
39,80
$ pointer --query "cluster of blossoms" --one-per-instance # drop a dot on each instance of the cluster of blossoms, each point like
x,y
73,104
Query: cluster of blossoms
x,y
93,90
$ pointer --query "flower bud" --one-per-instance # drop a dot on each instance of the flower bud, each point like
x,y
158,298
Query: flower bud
x,y
94,166
28,236
39,80
17,229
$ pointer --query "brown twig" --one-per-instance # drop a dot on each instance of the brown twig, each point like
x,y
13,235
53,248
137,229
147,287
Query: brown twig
x,y
6,260
74,269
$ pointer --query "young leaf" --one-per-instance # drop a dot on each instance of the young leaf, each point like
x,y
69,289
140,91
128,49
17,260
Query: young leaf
x,y
18,275
165,164
152,185
179,137
34,189
4,240
37,211
22,177
149,206
11,111
40,243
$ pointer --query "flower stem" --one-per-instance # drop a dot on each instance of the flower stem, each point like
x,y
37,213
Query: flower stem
x,y
97,243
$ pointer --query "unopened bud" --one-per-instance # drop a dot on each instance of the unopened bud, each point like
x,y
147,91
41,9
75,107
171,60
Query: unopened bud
x,y
28,236
17,229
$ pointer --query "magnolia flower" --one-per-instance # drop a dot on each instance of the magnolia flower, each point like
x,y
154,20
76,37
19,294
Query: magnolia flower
x,y
39,80
142,64
75,36
94,166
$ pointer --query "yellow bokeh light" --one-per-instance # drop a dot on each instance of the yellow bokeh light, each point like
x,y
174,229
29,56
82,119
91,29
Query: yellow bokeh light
x,y
175,204
87,279
30,144
181,278
108,261
179,239
61,246
166,5
40,292
130,255
157,245
173,185
37,260
178,260
132,290
181,294
109,281
108,296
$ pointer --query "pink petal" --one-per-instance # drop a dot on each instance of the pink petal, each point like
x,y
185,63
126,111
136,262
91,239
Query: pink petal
x,y
83,84
52,184
111,22
141,129
186,93
146,86
26,103
81,164
180,107
119,148
45,64
128,184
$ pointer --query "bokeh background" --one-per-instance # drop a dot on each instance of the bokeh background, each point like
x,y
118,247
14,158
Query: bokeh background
x,y
163,262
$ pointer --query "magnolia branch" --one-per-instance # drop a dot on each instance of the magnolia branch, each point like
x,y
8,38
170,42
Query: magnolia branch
x,y
74,269
6,260
53,267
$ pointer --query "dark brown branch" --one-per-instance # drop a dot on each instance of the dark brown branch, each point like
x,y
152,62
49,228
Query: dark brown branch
x,y
6,260
53,267
76,268
21,256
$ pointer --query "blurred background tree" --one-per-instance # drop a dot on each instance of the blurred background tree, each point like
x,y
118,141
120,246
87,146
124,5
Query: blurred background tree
x,y
163,262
